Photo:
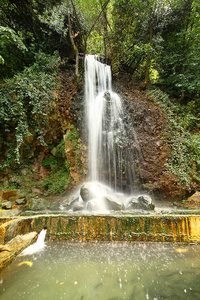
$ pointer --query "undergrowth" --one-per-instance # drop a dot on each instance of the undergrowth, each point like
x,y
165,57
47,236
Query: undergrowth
x,y
61,164
26,100
182,134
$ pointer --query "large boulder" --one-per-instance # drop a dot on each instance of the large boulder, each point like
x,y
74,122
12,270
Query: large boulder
x,y
79,207
92,205
86,192
142,202
71,202
38,204
133,204
146,202
21,201
6,205
113,203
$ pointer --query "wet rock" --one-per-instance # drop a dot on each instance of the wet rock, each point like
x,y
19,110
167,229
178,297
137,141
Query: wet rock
x,y
73,200
142,202
146,202
133,204
78,207
86,192
21,201
6,205
113,204
15,246
107,96
92,205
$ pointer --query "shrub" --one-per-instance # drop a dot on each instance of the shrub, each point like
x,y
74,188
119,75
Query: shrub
x,y
184,160
26,99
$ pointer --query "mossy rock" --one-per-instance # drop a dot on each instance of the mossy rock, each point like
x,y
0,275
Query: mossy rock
x,y
21,201
38,204
6,205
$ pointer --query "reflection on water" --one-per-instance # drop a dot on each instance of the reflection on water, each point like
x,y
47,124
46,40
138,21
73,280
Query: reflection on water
x,y
84,271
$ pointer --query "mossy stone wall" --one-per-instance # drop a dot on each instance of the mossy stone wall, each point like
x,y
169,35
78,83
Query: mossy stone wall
x,y
107,228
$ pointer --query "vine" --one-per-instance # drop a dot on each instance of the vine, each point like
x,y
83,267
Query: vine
x,y
26,99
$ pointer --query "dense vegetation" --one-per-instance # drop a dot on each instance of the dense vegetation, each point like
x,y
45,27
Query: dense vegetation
x,y
158,42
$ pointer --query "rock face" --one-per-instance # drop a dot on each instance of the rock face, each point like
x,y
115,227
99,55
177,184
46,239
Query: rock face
x,y
21,201
195,197
71,203
148,124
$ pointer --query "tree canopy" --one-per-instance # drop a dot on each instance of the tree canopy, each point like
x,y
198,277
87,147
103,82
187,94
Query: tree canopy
x,y
157,42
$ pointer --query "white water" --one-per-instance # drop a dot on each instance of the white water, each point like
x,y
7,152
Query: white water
x,y
104,113
37,246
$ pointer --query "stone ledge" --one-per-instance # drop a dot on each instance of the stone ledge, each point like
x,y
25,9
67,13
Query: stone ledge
x,y
16,246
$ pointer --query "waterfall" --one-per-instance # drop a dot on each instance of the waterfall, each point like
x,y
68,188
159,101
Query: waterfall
x,y
113,149
37,246
104,115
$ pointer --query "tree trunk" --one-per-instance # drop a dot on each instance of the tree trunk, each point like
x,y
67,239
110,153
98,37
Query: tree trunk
x,y
72,40
148,55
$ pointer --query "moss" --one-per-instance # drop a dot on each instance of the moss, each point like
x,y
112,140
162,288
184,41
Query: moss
x,y
59,228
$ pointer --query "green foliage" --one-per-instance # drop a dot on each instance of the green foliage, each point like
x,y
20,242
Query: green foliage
x,y
184,160
55,18
26,99
60,150
73,137
47,162
59,177
12,51
60,164
57,182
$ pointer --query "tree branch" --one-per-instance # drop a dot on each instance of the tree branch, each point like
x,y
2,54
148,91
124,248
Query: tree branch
x,y
93,25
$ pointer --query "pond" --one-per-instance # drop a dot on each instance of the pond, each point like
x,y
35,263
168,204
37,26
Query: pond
x,y
104,270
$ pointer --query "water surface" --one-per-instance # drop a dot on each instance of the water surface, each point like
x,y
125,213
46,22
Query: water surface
x,y
105,270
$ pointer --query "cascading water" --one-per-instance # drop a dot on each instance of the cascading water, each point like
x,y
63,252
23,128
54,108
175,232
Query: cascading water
x,y
104,114
37,246
112,156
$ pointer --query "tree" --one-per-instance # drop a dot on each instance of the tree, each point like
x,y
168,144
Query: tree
x,y
179,57
12,51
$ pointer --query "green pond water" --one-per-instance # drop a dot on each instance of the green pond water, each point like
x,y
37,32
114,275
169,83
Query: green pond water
x,y
105,270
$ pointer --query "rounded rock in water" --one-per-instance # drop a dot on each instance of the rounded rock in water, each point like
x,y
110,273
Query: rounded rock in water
x,y
86,192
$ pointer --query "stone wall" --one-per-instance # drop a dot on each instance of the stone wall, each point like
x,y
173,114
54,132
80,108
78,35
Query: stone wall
x,y
107,228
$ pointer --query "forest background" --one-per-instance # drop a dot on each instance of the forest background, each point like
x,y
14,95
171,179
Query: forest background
x,y
156,42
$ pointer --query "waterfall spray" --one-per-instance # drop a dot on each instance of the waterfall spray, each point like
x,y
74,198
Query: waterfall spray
x,y
104,114
111,154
